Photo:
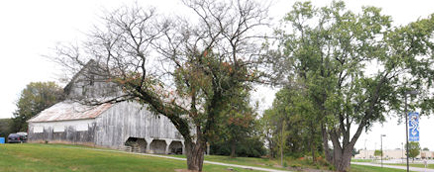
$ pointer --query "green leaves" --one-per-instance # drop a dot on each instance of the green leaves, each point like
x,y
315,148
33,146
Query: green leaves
x,y
36,97
413,149
345,68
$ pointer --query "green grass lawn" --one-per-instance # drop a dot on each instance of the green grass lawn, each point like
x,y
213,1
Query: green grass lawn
x,y
361,160
40,157
415,165
363,168
272,163
49,157
257,162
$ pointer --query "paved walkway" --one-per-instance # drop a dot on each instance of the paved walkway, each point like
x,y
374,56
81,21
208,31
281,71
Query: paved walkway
x,y
395,166
184,159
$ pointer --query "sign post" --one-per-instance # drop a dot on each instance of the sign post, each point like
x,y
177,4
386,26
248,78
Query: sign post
x,y
413,126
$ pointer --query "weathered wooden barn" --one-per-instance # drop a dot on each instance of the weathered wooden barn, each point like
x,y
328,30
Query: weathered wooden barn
x,y
126,125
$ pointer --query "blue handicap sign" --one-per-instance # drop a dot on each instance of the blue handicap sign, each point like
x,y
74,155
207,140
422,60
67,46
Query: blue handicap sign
x,y
413,126
2,140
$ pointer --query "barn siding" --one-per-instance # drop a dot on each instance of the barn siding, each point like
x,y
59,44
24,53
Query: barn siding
x,y
69,135
129,119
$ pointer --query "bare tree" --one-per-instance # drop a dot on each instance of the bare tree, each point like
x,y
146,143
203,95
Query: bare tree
x,y
184,69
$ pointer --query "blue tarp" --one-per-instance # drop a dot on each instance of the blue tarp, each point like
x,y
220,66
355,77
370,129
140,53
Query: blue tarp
x,y
2,140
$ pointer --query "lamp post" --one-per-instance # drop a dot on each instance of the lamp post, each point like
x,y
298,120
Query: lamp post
x,y
402,152
381,140
365,149
411,92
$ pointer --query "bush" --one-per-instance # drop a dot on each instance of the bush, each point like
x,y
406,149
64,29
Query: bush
x,y
296,166
250,147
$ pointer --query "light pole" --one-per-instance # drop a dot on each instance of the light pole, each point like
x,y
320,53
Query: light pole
x,y
402,152
365,149
411,92
381,140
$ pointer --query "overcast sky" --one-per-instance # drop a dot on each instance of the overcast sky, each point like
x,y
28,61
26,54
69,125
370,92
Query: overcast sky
x,y
28,29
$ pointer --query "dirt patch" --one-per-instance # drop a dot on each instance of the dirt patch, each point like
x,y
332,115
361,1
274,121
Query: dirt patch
x,y
184,170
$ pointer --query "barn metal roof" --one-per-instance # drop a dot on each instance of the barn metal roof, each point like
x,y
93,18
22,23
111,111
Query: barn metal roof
x,y
69,110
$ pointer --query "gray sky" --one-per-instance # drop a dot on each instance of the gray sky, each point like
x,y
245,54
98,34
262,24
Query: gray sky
x,y
30,28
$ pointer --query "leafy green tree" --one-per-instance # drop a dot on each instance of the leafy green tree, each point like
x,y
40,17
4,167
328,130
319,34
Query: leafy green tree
x,y
355,152
36,97
292,114
251,146
326,52
236,123
377,153
413,149
5,127
186,70
267,124
425,149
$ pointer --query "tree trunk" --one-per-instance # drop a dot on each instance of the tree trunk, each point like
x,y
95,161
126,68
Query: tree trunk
x,y
233,147
270,144
282,143
341,154
342,159
325,141
195,155
195,151
313,153
312,141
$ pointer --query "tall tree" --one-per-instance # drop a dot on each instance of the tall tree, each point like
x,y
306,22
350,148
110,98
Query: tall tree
x,y
5,127
36,97
293,113
355,68
238,132
185,69
237,122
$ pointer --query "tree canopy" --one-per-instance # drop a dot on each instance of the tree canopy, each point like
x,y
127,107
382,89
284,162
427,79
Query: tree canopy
x,y
188,70
352,69
36,97
413,149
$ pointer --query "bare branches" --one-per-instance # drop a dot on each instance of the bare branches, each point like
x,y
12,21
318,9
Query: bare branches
x,y
185,69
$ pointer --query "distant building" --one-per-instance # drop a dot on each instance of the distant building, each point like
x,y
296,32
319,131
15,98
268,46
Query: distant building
x,y
391,154
126,125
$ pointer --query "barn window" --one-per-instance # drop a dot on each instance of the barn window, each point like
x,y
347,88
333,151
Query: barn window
x,y
83,90
38,129
92,80
59,129
82,127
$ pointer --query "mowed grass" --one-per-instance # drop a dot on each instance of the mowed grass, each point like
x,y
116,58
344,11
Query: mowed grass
x,y
274,163
46,157
361,160
256,162
363,168
431,166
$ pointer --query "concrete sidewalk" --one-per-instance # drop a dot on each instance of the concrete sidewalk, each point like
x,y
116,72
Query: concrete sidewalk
x,y
395,166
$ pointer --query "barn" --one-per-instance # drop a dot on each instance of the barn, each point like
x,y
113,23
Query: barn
x,y
125,125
